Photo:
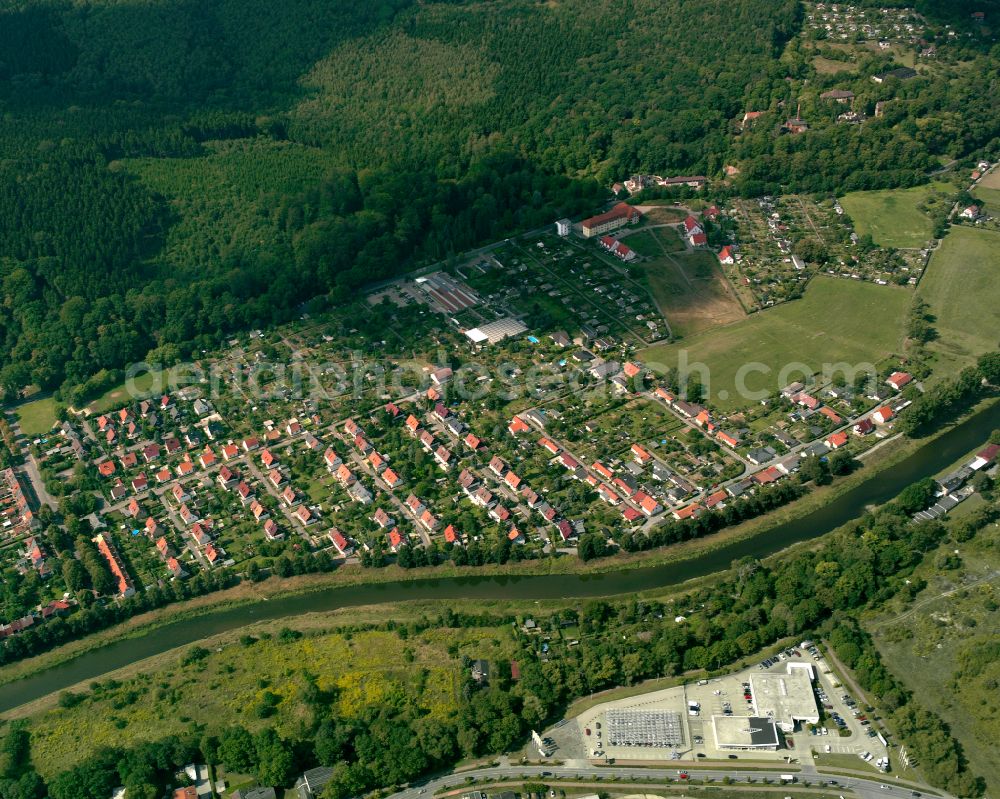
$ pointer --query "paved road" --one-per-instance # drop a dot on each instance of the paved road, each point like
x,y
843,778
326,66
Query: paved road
x,y
863,787
30,466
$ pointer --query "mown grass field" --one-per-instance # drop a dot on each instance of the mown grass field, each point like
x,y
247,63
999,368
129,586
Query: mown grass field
x,y
115,397
989,197
691,291
992,180
836,321
644,242
962,288
228,684
892,217
37,417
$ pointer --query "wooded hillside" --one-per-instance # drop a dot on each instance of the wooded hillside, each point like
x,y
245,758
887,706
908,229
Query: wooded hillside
x,y
172,171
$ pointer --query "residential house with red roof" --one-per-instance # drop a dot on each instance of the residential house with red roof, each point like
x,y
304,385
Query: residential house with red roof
x,y
899,379
631,514
549,444
259,511
443,457
272,532
187,515
175,568
226,477
332,460
832,415
863,427
115,565
390,478
428,520
883,415
640,454
518,426
345,475
688,512
337,538
837,440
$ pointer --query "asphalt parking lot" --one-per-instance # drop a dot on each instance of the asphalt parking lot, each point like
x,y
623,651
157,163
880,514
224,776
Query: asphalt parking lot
x,y
718,697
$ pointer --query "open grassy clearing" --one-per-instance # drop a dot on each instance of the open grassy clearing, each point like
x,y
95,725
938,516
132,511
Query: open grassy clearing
x,y
37,417
962,287
669,239
892,217
836,321
644,242
925,641
229,684
691,292
141,385
662,212
828,66
991,180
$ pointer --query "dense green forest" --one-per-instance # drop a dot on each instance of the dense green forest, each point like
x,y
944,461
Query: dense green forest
x,y
173,171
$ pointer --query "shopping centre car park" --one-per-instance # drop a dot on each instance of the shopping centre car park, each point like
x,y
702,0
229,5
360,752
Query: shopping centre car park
x,y
713,719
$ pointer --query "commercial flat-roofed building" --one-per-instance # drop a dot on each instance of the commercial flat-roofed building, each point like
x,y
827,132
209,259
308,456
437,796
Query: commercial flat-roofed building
x,y
742,732
495,331
644,728
786,698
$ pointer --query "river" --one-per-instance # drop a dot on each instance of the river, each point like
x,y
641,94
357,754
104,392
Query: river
x,y
926,461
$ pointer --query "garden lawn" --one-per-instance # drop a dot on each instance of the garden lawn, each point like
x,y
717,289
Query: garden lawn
x,y
892,217
962,288
836,321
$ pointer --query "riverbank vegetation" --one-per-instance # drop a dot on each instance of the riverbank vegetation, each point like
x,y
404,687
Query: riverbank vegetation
x,y
66,637
319,695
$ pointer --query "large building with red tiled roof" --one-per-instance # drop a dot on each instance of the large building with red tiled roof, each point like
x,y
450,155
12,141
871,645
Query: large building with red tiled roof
x,y
619,216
